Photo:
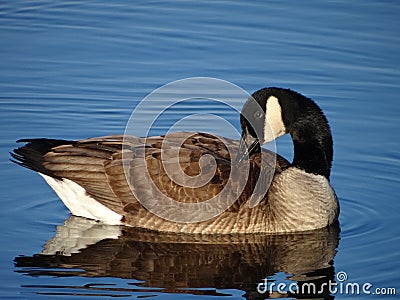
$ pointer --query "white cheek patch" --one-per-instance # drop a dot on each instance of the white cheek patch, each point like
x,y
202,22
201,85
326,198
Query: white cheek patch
x,y
273,126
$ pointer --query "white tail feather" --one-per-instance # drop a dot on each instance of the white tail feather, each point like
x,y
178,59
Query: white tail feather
x,y
80,203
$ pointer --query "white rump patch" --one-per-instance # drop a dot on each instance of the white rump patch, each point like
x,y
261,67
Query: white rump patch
x,y
273,126
80,203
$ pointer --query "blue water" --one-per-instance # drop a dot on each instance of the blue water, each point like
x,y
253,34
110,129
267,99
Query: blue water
x,y
74,70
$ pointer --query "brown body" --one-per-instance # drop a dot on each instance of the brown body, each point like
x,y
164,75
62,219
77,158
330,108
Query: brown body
x,y
97,165
129,180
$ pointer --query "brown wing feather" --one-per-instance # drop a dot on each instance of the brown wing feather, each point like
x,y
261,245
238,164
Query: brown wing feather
x,y
97,164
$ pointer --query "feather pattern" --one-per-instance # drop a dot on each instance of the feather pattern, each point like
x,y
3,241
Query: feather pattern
x,y
97,165
188,181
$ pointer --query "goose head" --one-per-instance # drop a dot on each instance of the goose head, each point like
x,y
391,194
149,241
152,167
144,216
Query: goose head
x,y
272,112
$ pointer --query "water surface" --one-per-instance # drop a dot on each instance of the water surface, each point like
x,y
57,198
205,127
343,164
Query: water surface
x,y
74,70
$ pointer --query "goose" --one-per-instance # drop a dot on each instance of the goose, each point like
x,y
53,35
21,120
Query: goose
x,y
94,179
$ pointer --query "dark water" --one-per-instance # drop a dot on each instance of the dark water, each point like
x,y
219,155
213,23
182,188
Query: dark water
x,y
73,70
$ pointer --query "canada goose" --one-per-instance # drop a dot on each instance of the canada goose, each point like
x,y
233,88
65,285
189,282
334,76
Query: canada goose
x,y
88,175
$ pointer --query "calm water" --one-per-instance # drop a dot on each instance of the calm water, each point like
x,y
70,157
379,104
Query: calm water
x,y
73,70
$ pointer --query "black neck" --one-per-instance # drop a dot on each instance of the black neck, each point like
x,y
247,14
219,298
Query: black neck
x,y
308,126
313,145
311,135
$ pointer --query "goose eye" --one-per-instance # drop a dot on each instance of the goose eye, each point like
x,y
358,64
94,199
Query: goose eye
x,y
258,114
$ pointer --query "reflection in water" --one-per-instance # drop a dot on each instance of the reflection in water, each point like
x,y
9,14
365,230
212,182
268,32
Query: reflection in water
x,y
178,263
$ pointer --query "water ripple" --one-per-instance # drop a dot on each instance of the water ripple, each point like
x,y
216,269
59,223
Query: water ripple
x,y
358,219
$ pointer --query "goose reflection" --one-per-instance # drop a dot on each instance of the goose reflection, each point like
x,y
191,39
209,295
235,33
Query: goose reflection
x,y
179,263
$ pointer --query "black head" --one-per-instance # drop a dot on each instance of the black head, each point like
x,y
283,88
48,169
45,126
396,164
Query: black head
x,y
272,112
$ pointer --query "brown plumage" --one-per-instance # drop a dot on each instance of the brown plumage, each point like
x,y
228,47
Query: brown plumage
x,y
96,164
189,182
